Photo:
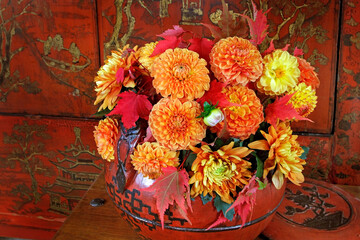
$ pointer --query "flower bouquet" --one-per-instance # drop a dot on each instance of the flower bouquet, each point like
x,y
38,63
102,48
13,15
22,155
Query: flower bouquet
x,y
197,132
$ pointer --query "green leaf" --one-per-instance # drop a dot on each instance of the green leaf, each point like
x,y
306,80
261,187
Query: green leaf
x,y
102,113
189,160
207,109
223,206
305,153
219,143
237,142
259,166
206,199
261,184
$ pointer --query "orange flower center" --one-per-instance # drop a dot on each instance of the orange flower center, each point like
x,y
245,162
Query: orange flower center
x,y
179,123
181,71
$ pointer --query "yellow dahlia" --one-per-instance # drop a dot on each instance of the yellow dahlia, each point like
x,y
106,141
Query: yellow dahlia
x,y
175,124
284,154
281,73
149,158
144,55
304,99
107,88
244,117
180,73
308,74
105,135
235,60
220,171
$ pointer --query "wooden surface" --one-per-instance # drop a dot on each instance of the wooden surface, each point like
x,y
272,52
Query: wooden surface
x,y
87,222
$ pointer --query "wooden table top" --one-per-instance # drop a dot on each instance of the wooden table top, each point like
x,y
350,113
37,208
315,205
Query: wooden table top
x,y
104,222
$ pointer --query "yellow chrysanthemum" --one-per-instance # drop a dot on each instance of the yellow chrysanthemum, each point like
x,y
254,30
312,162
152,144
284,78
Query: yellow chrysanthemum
x,y
144,55
175,124
105,135
107,88
149,158
220,171
304,99
244,117
180,73
280,75
284,154
308,74
235,60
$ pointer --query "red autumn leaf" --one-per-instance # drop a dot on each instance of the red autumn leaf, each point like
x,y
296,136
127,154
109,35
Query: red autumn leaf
x,y
119,76
283,110
215,96
221,219
202,46
298,52
270,49
177,31
286,47
245,201
169,42
258,26
130,107
169,188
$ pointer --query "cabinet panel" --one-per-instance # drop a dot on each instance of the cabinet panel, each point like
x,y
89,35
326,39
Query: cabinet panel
x,y
49,55
46,167
346,160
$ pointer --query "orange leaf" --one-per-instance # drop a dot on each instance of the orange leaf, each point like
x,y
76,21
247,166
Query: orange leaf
x,y
169,188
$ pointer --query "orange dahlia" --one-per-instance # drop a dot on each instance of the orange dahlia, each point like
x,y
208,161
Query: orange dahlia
x,y
107,88
219,171
304,99
144,55
149,158
175,124
235,60
105,135
281,73
308,74
284,154
244,117
180,73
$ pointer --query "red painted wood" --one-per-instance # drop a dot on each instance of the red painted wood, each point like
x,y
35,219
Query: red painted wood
x,y
51,58
46,166
346,159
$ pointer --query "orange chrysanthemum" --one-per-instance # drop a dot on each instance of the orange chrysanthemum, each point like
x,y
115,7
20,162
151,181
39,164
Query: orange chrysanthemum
x,y
220,171
284,154
308,74
304,99
175,124
144,55
107,88
105,135
149,158
180,73
235,60
244,117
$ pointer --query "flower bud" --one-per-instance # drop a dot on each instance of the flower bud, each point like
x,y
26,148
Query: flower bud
x,y
214,117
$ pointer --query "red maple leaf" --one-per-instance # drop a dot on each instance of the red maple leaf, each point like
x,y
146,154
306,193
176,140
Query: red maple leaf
x,y
169,188
270,49
169,42
245,201
298,52
283,110
215,96
202,46
258,26
130,107
176,31
221,219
